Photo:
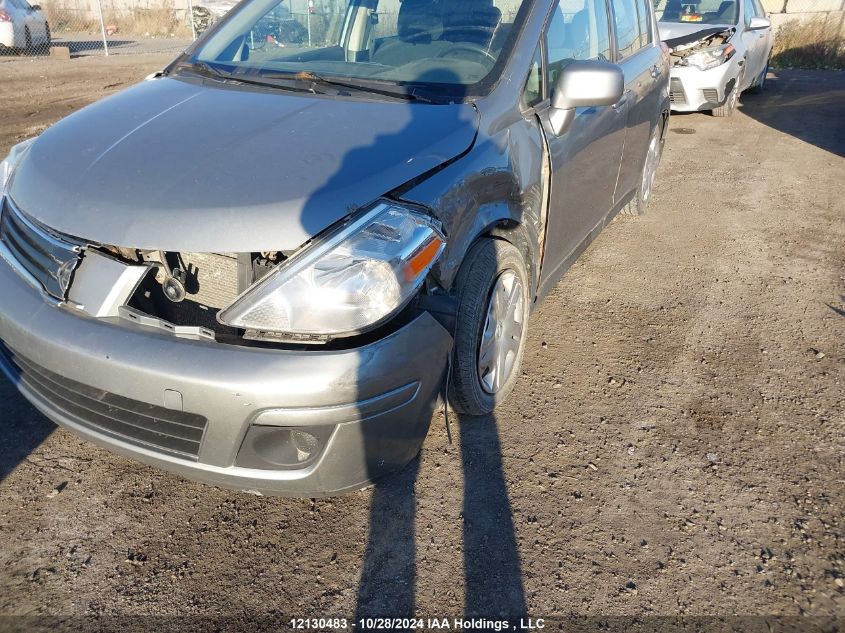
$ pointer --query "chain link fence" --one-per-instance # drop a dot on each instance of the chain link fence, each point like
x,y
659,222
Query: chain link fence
x,y
92,27
113,27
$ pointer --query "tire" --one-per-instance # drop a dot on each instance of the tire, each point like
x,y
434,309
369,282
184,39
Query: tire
x,y
757,86
639,203
729,106
488,351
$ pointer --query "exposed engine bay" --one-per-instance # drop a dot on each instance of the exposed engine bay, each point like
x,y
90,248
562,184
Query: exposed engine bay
x,y
682,47
189,289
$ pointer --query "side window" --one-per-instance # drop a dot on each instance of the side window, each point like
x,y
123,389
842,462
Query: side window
x,y
533,92
644,15
578,29
758,9
627,27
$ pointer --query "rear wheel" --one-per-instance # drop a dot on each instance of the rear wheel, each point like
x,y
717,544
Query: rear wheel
x,y
492,324
639,203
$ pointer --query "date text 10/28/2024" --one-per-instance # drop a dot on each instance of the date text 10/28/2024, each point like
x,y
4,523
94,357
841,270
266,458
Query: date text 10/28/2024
x,y
421,624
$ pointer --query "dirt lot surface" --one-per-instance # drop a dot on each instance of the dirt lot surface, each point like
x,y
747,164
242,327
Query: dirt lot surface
x,y
674,446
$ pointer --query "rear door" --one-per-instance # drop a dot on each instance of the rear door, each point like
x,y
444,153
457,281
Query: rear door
x,y
639,55
585,158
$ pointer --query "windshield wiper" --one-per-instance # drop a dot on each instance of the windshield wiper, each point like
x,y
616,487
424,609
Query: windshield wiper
x,y
208,70
315,79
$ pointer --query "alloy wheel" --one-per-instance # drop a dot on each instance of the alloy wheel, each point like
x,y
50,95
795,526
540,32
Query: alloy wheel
x,y
652,160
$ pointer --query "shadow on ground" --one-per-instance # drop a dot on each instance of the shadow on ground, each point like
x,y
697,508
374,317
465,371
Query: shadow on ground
x,y
802,104
22,430
492,575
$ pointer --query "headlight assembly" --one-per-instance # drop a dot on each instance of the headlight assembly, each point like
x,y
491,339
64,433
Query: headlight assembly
x,y
708,58
11,161
346,283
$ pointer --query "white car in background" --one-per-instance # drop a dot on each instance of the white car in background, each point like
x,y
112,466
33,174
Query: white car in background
x,y
718,49
23,26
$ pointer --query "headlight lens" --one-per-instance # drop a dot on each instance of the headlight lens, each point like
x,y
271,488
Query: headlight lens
x,y
708,58
11,161
348,282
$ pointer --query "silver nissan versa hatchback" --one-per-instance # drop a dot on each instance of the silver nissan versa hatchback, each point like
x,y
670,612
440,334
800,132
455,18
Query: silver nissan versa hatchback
x,y
260,267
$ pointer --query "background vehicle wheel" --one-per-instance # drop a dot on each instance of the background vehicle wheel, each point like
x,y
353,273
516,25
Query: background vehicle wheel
x,y
757,86
639,203
728,107
492,324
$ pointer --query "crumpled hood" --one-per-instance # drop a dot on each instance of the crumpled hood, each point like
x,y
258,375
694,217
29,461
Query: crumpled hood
x,y
181,165
677,30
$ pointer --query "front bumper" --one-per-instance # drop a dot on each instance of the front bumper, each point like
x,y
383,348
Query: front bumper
x,y
375,401
691,89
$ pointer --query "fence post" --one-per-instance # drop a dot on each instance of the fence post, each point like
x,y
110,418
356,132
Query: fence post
x,y
103,27
191,18
308,20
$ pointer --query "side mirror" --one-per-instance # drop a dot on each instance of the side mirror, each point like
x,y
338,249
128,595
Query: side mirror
x,y
758,24
584,83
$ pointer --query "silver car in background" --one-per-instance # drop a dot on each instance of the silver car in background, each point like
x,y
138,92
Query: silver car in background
x,y
718,49
22,26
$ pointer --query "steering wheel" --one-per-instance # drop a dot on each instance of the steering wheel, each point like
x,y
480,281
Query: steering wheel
x,y
414,38
470,48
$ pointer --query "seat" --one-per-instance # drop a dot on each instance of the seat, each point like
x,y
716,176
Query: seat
x,y
673,10
472,21
418,23
578,35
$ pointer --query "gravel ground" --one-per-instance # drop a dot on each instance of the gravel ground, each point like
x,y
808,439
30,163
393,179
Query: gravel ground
x,y
673,448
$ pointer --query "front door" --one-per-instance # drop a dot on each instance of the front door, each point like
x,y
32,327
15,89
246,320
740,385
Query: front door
x,y
585,158
755,44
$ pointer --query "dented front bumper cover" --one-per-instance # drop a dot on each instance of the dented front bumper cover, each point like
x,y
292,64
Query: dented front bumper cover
x,y
222,413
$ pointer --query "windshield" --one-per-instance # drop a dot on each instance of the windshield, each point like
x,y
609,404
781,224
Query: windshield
x,y
697,11
435,47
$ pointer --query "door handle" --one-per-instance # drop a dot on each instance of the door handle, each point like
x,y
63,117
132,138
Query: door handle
x,y
655,71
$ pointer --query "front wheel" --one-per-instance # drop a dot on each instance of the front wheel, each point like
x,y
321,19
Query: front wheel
x,y
728,107
492,325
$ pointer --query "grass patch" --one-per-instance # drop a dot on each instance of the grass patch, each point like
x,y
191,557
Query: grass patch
x,y
161,20
815,44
